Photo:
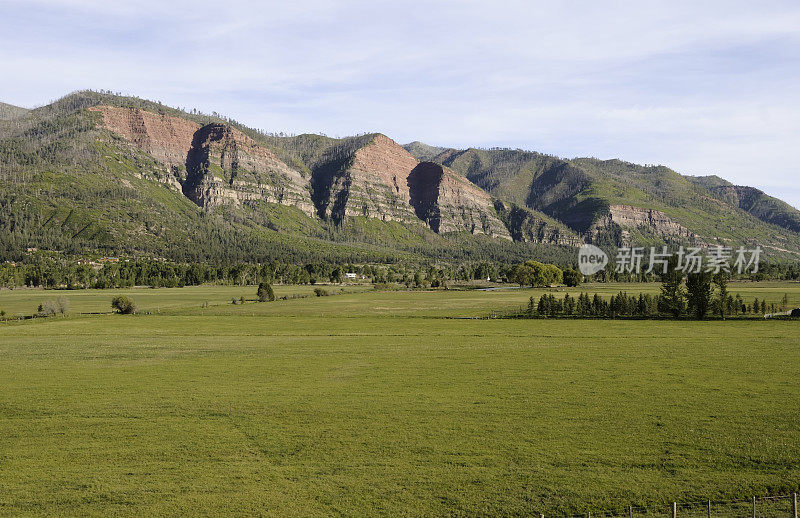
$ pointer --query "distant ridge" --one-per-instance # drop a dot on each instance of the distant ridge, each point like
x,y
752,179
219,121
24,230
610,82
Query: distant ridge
x,y
10,112
423,151
617,201
96,171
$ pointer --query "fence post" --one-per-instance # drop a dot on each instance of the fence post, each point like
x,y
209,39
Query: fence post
x,y
674,509
794,504
630,511
709,509
754,507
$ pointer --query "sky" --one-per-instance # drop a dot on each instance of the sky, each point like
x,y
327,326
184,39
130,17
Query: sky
x,y
704,87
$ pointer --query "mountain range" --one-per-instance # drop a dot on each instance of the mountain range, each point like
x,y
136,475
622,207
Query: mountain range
x,y
96,172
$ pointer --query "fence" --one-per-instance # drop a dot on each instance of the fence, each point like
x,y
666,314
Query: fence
x,y
780,506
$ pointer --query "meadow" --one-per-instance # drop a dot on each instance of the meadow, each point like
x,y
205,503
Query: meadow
x,y
387,403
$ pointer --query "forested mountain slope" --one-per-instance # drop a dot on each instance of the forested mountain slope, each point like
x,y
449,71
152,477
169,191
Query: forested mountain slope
x,y
125,175
9,112
754,201
617,201
102,172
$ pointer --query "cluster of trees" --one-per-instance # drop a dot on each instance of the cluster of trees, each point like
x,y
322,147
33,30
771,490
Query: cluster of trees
x,y
56,272
643,305
534,273
767,270
701,294
585,306
698,296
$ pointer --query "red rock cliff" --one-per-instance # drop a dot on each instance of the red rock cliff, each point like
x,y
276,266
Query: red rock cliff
x,y
222,164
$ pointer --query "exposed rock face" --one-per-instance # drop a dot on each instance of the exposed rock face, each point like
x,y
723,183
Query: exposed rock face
x,y
383,180
164,137
628,217
223,165
448,202
217,164
371,183
530,227
423,187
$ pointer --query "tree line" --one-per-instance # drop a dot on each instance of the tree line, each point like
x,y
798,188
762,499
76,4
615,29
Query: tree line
x,y
56,272
697,296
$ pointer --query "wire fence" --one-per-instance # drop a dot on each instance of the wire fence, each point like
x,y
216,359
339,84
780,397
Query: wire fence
x,y
779,506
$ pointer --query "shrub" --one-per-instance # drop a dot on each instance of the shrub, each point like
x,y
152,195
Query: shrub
x,y
319,292
48,309
123,305
62,305
265,292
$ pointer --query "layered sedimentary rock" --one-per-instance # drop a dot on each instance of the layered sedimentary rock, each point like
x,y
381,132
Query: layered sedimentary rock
x,y
214,164
223,165
165,138
371,183
628,217
530,227
448,202
382,180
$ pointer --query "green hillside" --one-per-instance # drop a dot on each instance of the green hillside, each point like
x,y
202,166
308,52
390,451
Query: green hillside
x,y
10,112
423,151
70,185
580,191
754,202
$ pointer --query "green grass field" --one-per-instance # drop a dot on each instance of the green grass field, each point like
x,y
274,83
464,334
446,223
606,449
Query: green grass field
x,y
372,403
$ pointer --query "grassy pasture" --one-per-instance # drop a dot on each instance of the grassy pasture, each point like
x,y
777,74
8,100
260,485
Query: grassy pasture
x,y
453,303
369,403
25,301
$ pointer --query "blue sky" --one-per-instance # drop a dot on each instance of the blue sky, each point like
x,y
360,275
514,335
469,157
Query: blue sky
x,y
704,87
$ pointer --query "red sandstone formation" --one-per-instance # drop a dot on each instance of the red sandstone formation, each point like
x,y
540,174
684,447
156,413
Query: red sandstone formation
x,y
165,138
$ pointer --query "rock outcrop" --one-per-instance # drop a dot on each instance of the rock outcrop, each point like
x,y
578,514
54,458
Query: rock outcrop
x,y
164,137
371,183
448,202
223,165
216,164
530,227
383,180
213,164
629,218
